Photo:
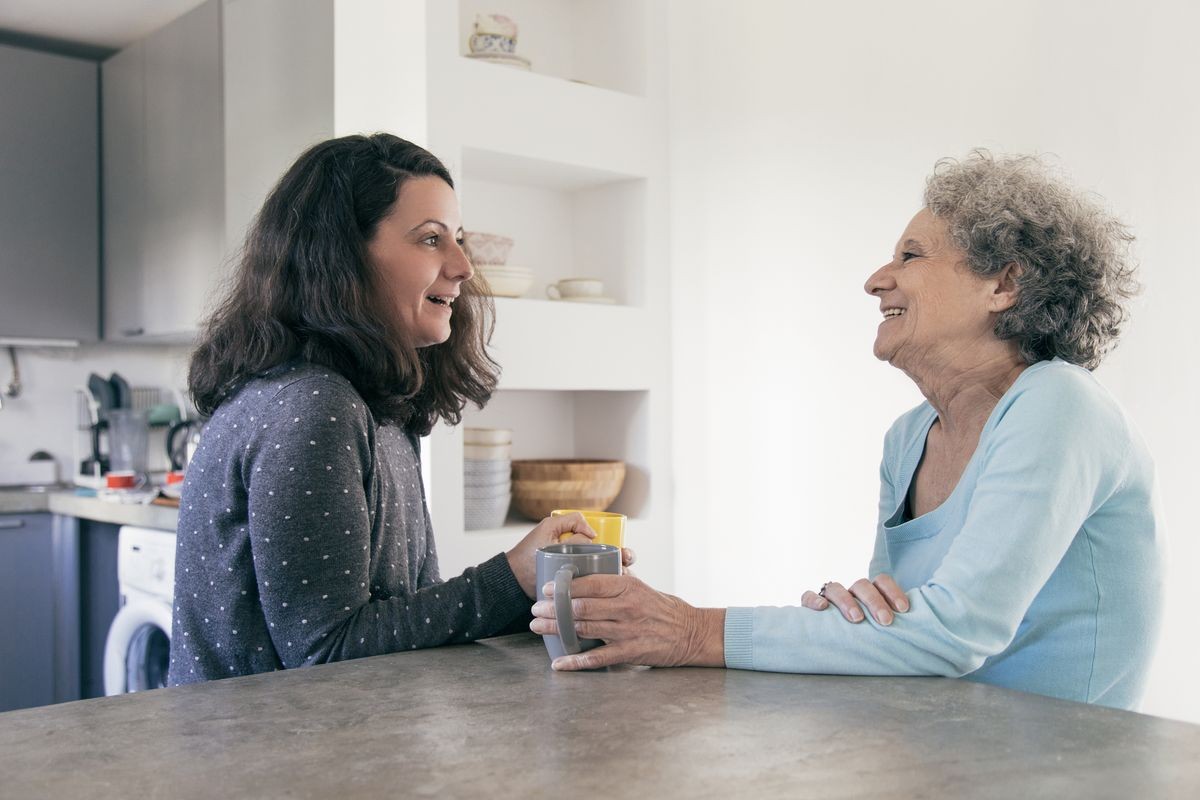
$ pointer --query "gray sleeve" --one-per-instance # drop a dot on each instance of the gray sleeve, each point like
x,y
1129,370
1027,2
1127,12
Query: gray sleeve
x,y
306,469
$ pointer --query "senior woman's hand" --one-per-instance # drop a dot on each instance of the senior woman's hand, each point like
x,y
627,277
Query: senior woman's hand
x,y
638,625
881,597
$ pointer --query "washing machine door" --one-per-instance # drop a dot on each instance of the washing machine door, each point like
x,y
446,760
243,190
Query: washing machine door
x,y
137,651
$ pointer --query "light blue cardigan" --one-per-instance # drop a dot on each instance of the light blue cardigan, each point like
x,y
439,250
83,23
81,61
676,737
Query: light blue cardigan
x,y
1041,571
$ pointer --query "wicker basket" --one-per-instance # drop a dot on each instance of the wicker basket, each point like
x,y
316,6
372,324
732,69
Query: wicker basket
x,y
539,487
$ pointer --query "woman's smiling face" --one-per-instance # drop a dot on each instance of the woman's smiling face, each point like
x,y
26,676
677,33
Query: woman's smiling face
x,y
934,306
418,258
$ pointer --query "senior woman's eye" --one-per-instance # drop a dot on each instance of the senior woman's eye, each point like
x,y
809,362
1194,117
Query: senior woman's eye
x,y
907,256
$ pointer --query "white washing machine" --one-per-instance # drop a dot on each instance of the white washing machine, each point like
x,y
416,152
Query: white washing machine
x,y
137,651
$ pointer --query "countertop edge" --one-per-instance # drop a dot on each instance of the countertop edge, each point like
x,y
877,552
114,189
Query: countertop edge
x,y
69,504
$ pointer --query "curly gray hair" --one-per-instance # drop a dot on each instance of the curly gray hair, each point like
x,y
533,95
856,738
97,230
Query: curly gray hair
x,y
1076,265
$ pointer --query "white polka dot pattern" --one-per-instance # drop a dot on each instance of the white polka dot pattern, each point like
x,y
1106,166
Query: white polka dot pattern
x,y
304,538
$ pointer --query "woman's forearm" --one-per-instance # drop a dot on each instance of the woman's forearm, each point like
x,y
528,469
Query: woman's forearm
x,y
706,630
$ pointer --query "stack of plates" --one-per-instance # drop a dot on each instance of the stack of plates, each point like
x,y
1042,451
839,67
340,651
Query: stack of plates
x,y
506,281
487,477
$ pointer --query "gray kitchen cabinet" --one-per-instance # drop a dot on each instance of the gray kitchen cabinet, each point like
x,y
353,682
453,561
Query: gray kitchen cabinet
x,y
123,86
163,178
200,119
49,204
27,592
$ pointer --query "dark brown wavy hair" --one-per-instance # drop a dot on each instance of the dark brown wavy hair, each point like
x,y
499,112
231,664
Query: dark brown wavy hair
x,y
303,289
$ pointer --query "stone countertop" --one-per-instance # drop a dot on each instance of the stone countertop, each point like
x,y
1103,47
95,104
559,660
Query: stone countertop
x,y
69,504
492,720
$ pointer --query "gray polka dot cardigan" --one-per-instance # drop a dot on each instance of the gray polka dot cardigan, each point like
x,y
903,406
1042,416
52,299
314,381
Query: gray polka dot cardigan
x,y
304,538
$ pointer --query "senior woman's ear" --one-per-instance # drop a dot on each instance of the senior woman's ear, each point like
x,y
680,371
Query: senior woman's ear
x,y
1004,295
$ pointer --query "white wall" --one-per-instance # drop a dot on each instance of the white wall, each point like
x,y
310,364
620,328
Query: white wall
x,y
801,136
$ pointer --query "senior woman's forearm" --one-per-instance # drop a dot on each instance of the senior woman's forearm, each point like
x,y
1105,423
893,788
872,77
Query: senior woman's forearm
x,y
706,632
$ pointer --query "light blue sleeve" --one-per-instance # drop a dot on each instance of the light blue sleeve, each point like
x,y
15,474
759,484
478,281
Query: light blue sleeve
x,y
879,559
1052,458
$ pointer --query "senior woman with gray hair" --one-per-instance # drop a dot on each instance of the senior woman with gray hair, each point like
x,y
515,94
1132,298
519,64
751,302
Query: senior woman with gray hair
x,y
1018,541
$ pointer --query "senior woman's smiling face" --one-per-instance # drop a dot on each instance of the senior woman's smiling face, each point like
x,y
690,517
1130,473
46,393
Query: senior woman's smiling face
x,y
934,308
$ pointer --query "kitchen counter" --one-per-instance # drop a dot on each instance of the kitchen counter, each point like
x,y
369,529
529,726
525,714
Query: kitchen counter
x,y
491,719
69,504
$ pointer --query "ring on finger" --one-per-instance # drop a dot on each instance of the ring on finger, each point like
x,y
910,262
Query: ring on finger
x,y
824,586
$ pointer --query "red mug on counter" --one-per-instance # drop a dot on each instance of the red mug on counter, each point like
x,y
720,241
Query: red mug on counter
x,y
124,479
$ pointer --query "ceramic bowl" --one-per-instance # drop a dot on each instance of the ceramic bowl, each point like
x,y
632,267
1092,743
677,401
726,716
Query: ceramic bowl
x,y
505,286
496,24
490,492
492,43
485,513
487,452
487,436
486,248
485,468
569,288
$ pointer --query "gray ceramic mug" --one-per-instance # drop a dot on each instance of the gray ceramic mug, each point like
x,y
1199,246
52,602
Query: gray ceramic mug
x,y
561,563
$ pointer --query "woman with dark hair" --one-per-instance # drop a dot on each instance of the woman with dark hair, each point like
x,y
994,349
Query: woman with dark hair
x,y
1019,541
352,326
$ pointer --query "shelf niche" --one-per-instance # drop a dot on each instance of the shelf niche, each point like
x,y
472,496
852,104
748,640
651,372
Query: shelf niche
x,y
597,42
566,221
601,425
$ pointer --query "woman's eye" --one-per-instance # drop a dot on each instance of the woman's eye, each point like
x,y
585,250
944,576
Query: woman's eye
x,y
431,240
907,256
461,241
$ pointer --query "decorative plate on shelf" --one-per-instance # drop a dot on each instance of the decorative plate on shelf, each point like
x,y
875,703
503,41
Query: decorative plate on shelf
x,y
507,59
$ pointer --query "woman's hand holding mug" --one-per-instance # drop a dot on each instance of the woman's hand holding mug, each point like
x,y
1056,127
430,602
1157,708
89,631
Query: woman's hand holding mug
x,y
638,625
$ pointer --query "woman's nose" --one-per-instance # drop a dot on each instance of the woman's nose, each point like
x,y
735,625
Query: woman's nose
x,y
880,280
458,266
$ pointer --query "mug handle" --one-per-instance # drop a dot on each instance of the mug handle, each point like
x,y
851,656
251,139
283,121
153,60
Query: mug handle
x,y
562,609
552,292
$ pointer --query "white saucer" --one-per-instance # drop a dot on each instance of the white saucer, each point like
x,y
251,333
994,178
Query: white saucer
x,y
509,60
598,299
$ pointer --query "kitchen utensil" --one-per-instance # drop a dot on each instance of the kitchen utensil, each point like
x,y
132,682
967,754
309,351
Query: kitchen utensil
x,y
102,399
124,479
128,436
163,415
122,393
183,438
104,392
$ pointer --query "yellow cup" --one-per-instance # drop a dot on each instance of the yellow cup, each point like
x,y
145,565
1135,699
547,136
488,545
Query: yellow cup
x,y
609,527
